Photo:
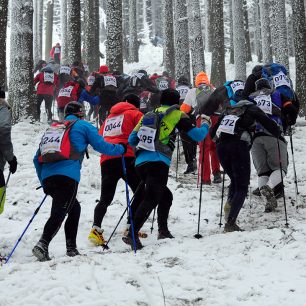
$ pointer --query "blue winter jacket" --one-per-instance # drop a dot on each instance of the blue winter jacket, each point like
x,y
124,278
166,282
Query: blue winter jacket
x,y
82,134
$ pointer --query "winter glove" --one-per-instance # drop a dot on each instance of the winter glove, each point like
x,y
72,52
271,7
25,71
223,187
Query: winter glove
x,y
206,119
124,147
290,113
13,164
171,144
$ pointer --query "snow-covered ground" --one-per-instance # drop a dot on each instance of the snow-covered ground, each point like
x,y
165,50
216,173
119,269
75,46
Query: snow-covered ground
x,y
265,265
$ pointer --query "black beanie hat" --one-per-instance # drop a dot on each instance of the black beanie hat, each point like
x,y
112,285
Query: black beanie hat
x,y
262,83
132,99
170,97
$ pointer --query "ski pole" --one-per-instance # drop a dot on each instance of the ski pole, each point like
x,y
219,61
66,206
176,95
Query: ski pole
x,y
294,169
177,159
19,239
105,246
152,228
198,235
7,180
282,178
128,202
222,196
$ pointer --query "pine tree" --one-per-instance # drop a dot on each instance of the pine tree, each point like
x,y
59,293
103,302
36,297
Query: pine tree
x,y
169,53
239,41
247,32
133,41
3,26
208,25
49,29
195,36
149,17
265,31
21,60
114,35
218,53
299,26
231,61
74,31
182,58
257,40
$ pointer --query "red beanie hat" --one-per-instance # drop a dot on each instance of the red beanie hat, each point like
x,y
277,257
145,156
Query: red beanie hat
x,y
103,69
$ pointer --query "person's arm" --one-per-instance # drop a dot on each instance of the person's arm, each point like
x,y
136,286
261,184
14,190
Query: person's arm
x,y
38,166
148,85
36,79
260,116
133,138
189,101
197,134
249,86
85,96
6,145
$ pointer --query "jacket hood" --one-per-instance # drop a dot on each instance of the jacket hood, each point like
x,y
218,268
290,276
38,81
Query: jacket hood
x,y
122,107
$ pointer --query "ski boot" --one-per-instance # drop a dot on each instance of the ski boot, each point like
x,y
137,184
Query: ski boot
x,y
231,226
140,234
217,178
129,240
164,234
71,252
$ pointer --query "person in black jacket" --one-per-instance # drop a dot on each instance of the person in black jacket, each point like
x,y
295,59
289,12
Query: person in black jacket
x,y
233,134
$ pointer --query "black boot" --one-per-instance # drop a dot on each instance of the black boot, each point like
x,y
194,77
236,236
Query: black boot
x,y
217,178
164,234
191,168
71,252
231,226
129,240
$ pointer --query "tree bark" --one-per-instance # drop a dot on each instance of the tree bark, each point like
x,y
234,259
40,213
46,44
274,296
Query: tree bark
x,y
3,28
258,39
247,32
64,38
208,25
49,29
133,41
232,60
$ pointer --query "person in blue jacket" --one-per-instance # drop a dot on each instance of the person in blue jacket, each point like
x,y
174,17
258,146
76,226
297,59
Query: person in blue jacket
x,y
60,177
153,159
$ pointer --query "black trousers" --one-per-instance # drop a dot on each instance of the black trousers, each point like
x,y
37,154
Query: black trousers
x,y
189,147
111,173
234,157
48,105
63,191
155,177
2,180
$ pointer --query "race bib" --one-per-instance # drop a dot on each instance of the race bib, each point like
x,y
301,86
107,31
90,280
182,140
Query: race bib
x,y
52,139
65,70
65,92
86,67
281,80
146,137
162,85
228,124
238,85
48,77
264,102
109,80
113,126
90,80
183,90
57,50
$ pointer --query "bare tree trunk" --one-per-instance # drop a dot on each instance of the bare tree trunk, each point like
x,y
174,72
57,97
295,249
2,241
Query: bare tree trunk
x,y
91,36
125,29
195,36
49,29
114,35
258,39
231,61
208,25
182,58
247,32
149,17
218,53
299,26
3,27
133,42
64,46
74,31
239,41
265,28
21,76
290,35
169,52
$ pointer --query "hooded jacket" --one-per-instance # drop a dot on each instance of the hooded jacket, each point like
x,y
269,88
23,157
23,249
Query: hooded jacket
x,y
121,121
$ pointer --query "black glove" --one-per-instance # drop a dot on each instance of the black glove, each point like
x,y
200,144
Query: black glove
x,y
13,165
124,147
290,113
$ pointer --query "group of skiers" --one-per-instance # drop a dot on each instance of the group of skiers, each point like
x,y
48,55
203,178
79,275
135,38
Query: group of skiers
x,y
140,119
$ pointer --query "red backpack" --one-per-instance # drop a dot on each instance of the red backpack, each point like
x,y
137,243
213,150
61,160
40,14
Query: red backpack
x,y
55,144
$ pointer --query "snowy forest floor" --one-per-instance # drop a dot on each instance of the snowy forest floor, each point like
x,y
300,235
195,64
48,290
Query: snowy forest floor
x,y
265,265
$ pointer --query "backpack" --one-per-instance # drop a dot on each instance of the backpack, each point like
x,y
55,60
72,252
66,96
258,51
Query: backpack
x,y
149,132
134,80
203,93
48,77
55,143
277,76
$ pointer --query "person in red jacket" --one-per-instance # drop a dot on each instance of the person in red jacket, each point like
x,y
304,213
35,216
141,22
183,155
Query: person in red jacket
x,y
116,129
47,83
71,91
55,53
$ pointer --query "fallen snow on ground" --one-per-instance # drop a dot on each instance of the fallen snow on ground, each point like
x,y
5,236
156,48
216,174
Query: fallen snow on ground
x,y
265,265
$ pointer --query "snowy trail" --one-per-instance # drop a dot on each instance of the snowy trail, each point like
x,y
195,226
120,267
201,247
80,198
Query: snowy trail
x,y
266,265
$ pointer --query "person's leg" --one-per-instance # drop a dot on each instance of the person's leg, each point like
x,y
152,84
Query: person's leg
x,y
48,106
2,191
206,170
39,100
